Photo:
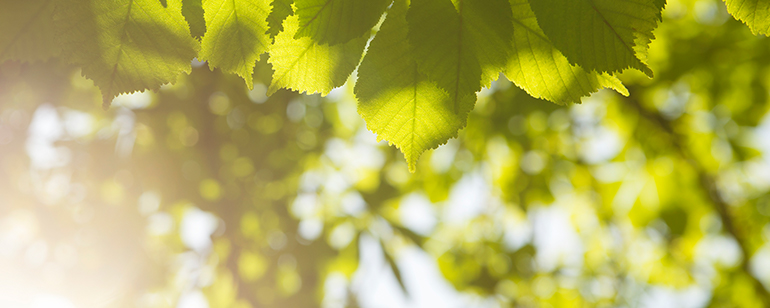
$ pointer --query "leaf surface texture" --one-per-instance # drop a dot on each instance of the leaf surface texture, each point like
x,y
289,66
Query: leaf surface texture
x,y
126,45
754,13
463,45
236,35
601,35
397,101
337,21
307,66
540,69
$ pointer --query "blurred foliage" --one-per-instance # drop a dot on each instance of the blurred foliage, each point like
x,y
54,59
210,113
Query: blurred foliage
x,y
206,190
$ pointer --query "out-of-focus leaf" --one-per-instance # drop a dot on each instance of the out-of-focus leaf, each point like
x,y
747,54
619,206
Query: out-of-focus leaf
x,y
27,32
126,46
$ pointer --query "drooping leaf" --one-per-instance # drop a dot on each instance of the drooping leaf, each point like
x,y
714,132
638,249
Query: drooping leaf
x,y
753,13
280,10
306,66
126,45
27,30
192,10
236,35
399,103
337,21
601,35
463,46
540,69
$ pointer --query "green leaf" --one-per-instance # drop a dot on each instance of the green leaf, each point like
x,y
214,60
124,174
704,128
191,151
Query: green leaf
x,y
306,66
193,13
27,31
281,10
399,103
540,69
236,35
601,35
463,46
337,21
127,45
753,13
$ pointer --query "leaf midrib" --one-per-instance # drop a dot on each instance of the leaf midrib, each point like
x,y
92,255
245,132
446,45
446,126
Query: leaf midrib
x,y
123,35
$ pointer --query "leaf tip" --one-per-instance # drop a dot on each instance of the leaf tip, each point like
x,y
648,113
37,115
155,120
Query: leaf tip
x,y
272,89
249,82
412,166
107,101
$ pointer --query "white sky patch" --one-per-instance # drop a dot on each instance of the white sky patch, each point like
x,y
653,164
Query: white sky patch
x,y
596,141
719,249
51,301
196,229
194,299
335,291
417,213
377,287
136,100
45,129
760,264
78,124
555,239
662,297
517,231
310,229
441,159
602,145
467,199
353,204
373,281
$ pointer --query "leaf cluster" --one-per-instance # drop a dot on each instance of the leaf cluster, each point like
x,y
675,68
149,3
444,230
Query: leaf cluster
x,y
418,79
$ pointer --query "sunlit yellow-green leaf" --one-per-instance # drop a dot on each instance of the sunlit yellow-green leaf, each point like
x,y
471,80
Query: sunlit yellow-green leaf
x,y
462,46
236,35
754,13
540,69
601,35
280,9
126,45
337,21
306,66
398,102
193,13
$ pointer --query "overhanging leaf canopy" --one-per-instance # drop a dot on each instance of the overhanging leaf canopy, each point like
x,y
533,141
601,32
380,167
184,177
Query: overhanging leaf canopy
x,y
430,56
